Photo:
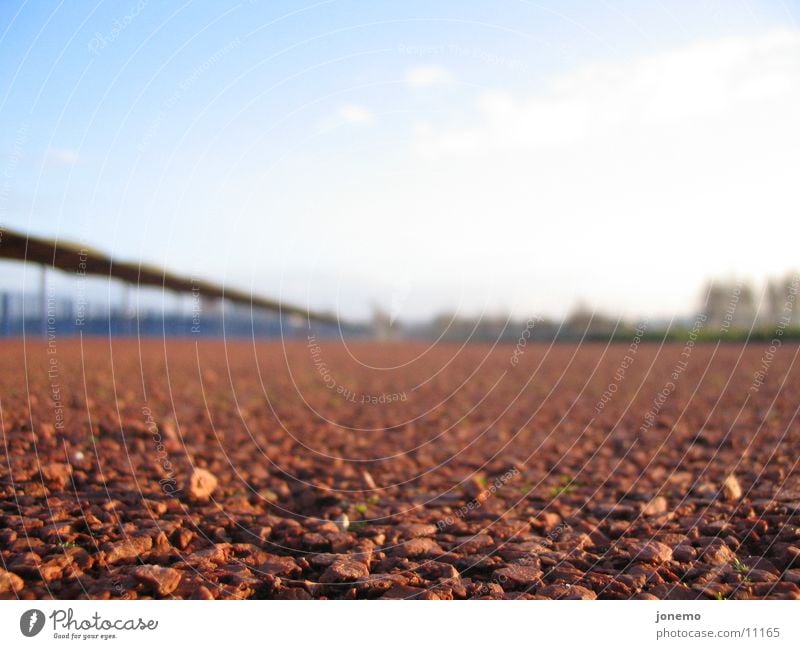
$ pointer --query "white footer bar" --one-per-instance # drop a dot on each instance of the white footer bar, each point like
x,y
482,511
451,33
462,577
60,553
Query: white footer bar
x,y
399,624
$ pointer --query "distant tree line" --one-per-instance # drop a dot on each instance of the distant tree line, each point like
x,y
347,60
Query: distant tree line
x,y
730,312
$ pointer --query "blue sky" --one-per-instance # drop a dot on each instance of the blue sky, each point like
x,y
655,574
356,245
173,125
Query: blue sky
x,y
480,156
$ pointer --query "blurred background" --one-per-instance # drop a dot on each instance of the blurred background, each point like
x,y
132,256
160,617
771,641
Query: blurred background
x,y
419,169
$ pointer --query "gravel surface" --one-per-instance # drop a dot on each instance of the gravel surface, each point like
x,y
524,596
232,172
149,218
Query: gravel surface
x,y
313,470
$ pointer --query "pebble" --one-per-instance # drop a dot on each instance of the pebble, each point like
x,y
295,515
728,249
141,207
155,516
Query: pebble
x,y
368,481
280,566
517,577
344,570
132,548
399,591
201,484
716,554
650,552
56,473
161,580
414,530
565,591
418,547
343,522
684,553
656,506
9,582
731,489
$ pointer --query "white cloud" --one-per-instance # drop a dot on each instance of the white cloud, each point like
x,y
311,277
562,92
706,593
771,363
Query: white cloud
x,y
424,76
61,157
625,183
355,114
737,80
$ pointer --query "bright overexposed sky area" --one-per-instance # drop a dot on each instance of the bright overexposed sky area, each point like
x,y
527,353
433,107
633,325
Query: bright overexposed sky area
x,y
474,156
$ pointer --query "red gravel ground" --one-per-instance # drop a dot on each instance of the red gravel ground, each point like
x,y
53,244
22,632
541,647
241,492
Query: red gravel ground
x,y
206,470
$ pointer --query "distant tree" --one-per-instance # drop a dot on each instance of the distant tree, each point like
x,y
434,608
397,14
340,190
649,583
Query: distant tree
x,y
716,305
